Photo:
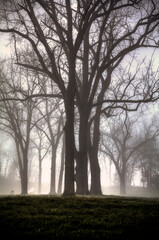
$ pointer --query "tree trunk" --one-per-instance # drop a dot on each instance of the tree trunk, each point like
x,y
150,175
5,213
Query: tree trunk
x,y
69,134
62,167
122,183
95,176
94,163
149,175
69,153
24,177
53,172
40,169
40,175
84,112
24,185
82,159
95,171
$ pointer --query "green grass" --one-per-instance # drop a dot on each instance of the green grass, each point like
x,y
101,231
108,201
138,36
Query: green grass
x,y
48,217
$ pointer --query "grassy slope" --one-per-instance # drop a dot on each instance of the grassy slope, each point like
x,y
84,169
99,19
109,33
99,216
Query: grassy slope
x,y
78,217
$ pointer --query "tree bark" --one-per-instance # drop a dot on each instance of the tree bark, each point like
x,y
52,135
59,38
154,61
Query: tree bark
x,y
69,153
24,177
69,130
95,175
23,167
82,158
122,184
94,163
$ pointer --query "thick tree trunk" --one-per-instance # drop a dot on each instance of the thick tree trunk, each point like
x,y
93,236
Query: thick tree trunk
x,y
81,176
95,176
122,184
24,185
69,134
94,163
82,159
122,176
84,111
69,153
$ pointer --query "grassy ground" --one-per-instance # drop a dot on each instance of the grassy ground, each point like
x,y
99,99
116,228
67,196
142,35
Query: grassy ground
x,y
48,217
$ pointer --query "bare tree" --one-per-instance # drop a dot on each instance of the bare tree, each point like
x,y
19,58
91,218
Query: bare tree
x,y
148,161
16,119
6,153
106,42
121,143
53,122
42,147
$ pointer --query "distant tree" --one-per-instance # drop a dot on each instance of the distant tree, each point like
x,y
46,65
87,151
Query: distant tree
x,y
42,147
121,143
53,117
155,181
16,119
149,163
6,154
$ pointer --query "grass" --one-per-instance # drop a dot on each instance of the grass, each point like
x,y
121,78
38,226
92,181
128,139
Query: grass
x,y
48,217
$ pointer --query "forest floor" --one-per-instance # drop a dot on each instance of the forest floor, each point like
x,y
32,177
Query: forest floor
x,y
51,217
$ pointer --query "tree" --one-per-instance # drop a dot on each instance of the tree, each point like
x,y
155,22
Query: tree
x,y
16,119
121,144
53,131
104,47
30,23
148,161
6,153
42,147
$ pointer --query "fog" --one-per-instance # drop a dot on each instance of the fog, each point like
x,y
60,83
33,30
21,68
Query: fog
x,y
13,188
10,185
141,178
